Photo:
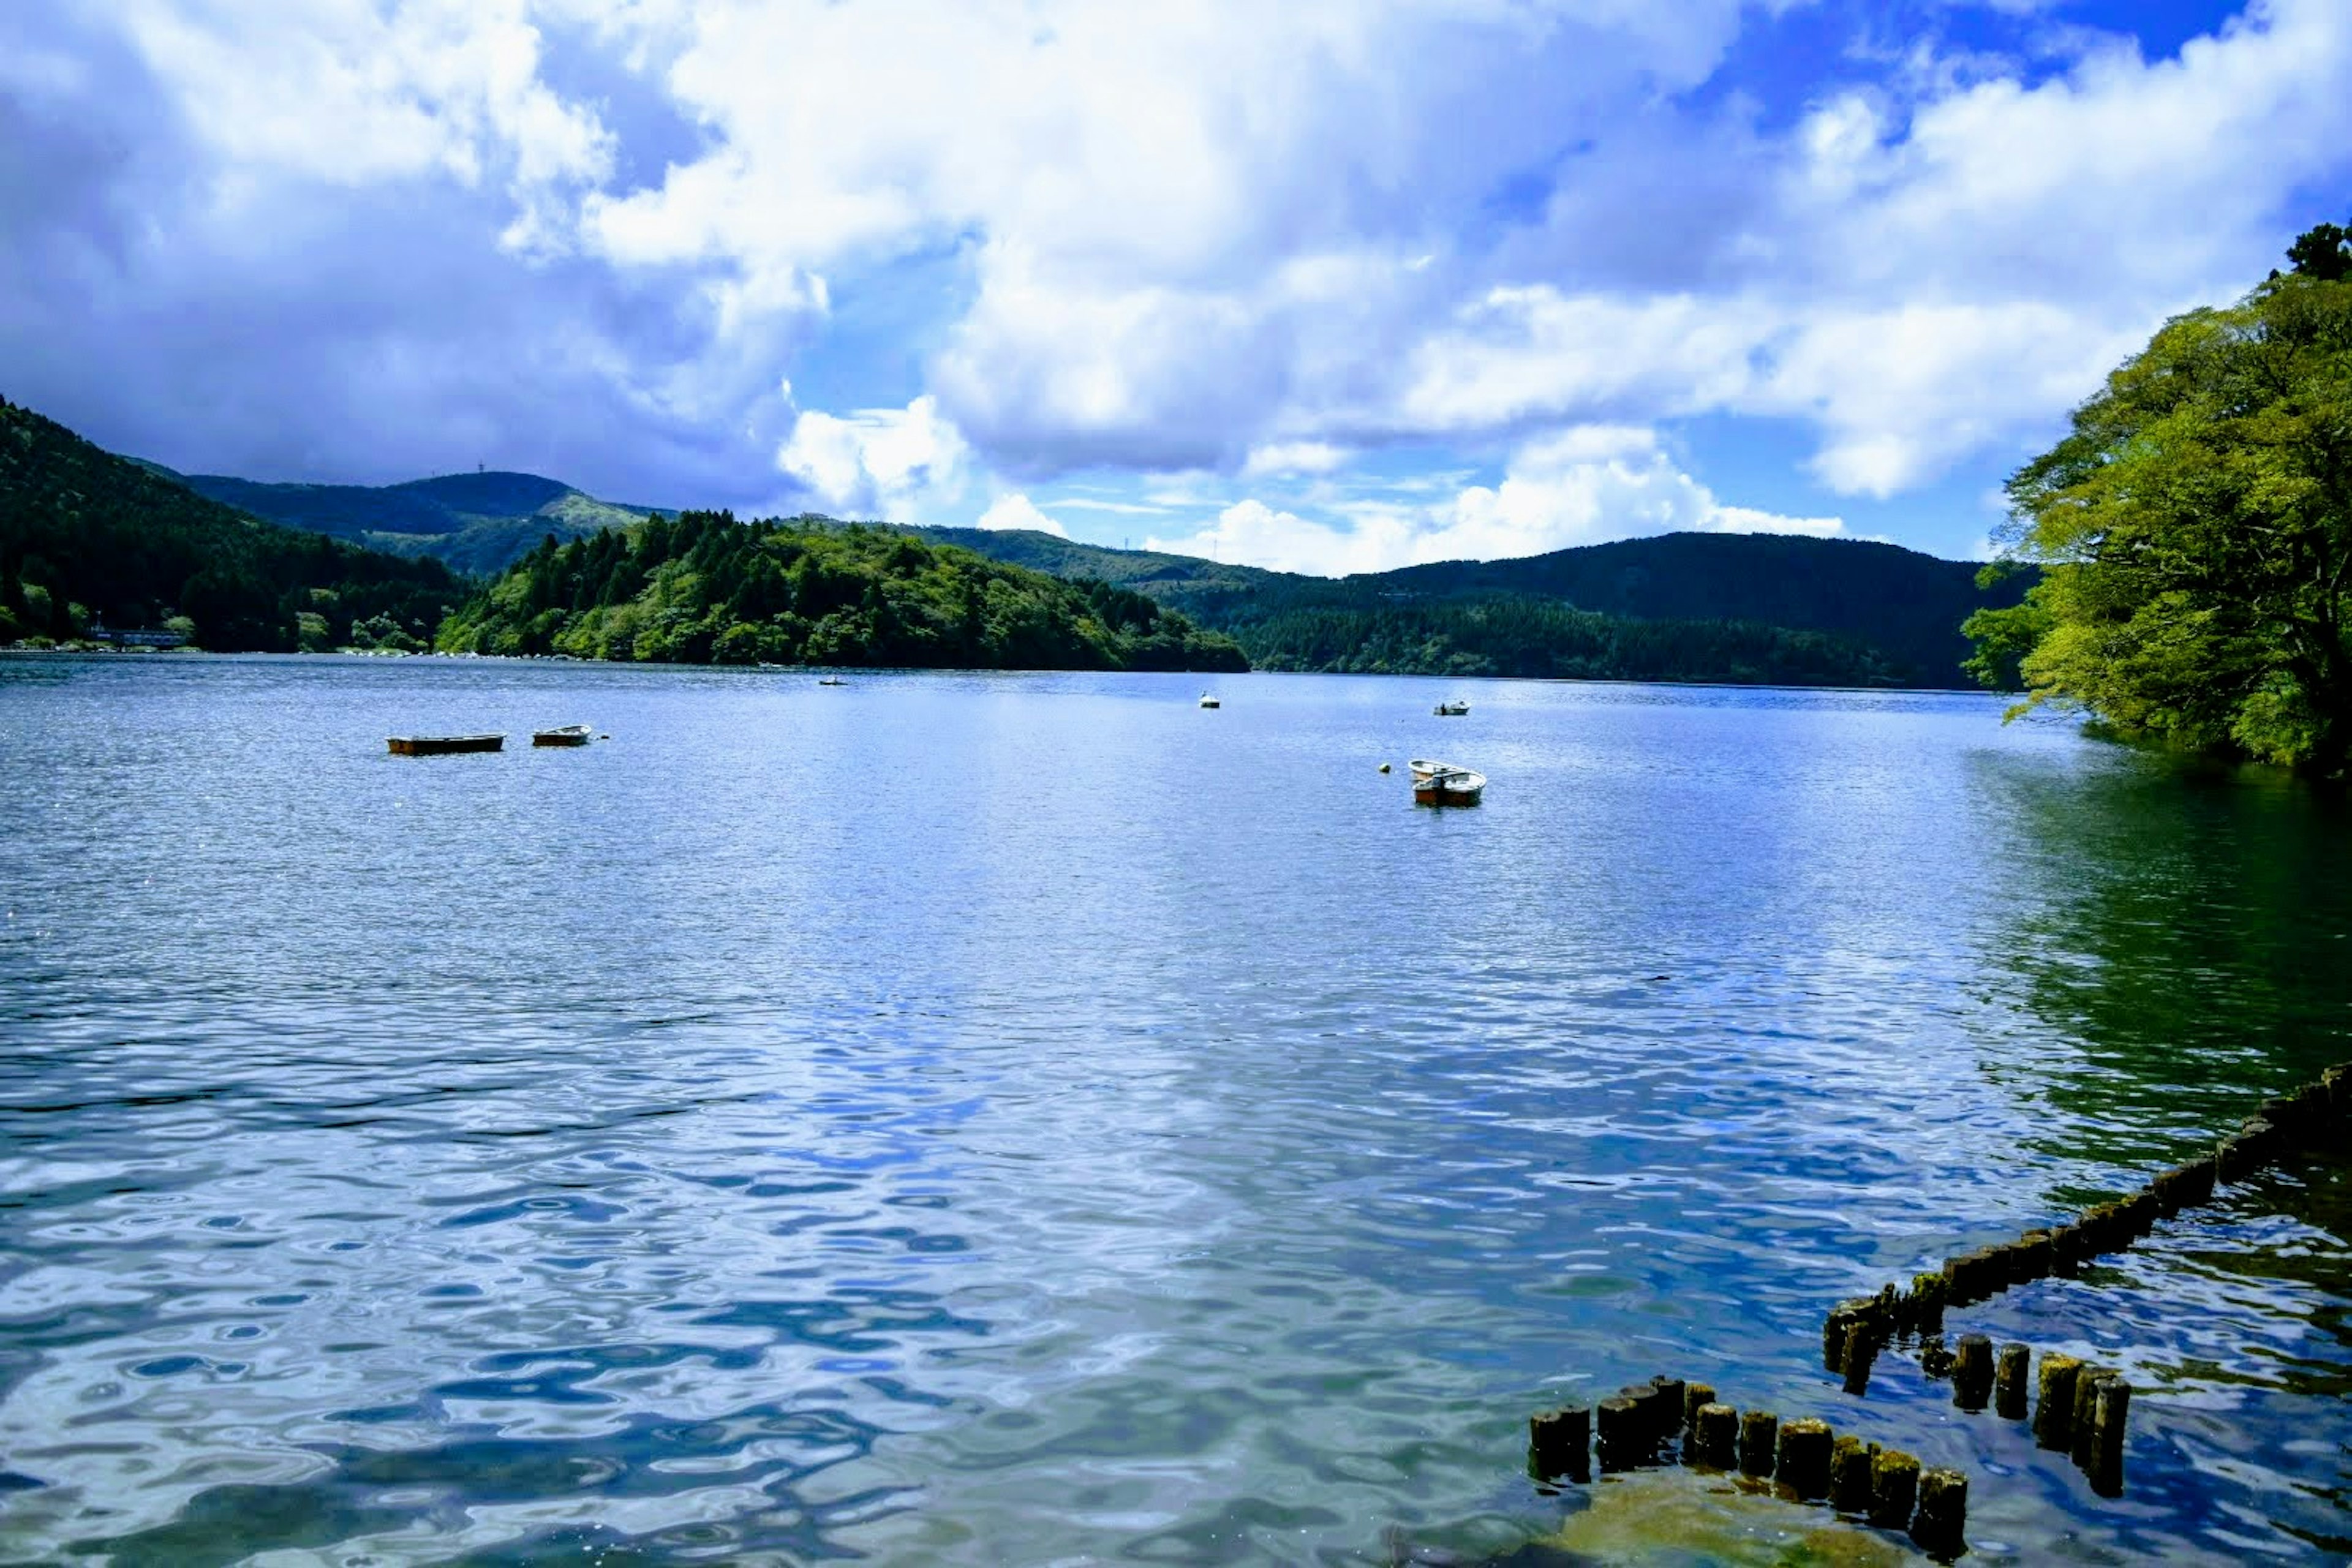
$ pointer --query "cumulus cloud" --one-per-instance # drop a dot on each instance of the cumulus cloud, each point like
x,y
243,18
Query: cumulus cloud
x,y
1016,510
1580,485
902,465
1269,244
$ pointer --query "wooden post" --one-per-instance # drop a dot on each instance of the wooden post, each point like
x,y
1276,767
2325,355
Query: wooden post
x,y
1560,1443
1805,1459
1972,1372
1841,1320
1664,1403
2035,1252
1760,1431
2082,1436
1694,1394
1861,1350
1934,1359
1715,1430
1926,1303
1894,1489
1619,1420
1850,1464
1941,1527
2009,1383
2109,1412
2053,1417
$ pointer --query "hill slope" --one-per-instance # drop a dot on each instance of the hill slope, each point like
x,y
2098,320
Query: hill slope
x,y
709,590
85,534
1904,607
476,522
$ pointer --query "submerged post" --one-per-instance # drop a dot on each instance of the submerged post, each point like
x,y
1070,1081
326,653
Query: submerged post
x,y
1760,1431
2109,1410
1715,1432
1972,1372
1894,1489
1861,1350
1560,1443
2053,1417
1850,1463
1620,1423
1804,1458
1941,1527
2009,1383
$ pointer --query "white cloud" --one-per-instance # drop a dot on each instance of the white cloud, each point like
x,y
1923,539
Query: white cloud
x,y
1580,485
1279,458
1016,510
897,464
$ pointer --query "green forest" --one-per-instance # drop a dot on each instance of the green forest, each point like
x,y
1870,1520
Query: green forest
x,y
87,537
1546,639
706,589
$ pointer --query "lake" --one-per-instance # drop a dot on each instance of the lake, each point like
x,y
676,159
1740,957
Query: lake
x,y
1028,1119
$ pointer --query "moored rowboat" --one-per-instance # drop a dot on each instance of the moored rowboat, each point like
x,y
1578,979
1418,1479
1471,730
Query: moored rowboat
x,y
441,745
1453,710
1448,786
563,736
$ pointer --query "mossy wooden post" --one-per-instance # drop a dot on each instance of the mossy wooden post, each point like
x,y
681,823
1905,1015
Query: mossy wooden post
x,y
2338,1082
1934,1359
1560,1443
2069,1248
1861,1350
2054,1415
2035,1253
1972,1372
1619,1421
1715,1435
1759,1433
1941,1525
2109,1412
2083,1437
1805,1458
1841,1320
2009,1382
1850,1475
1894,1489
1666,1406
1926,1303
1694,1396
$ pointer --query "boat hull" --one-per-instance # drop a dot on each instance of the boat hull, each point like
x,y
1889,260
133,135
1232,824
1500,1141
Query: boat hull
x,y
441,745
571,735
1439,794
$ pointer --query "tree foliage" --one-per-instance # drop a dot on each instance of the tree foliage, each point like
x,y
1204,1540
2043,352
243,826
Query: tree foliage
x,y
2195,526
1544,640
86,535
705,589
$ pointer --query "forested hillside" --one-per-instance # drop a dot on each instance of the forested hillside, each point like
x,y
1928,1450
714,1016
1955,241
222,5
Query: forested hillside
x,y
705,589
85,535
1544,639
1904,607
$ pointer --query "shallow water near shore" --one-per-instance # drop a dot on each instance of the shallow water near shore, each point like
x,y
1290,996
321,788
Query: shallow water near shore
x,y
1026,1118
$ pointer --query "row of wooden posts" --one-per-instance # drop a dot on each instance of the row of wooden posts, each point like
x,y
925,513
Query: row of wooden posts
x,y
2281,1125
1856,1330
1647,1424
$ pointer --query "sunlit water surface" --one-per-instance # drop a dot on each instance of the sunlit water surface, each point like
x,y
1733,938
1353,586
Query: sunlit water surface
x,y
1030,1118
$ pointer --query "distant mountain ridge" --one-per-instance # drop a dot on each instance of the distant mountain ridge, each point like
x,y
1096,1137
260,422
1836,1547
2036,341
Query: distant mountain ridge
x,y
478,522
1903,605
1896,613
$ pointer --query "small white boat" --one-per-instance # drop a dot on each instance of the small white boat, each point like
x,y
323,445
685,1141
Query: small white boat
x,y
563,736
833,680
1207,701
1453,710
1448,786
1422,767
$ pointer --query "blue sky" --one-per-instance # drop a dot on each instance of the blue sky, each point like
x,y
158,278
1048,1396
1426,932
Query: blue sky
x,y
1326,286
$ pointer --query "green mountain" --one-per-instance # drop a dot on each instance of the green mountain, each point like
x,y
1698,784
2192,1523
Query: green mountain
x,y
480,522
87,536
1894,613
705,589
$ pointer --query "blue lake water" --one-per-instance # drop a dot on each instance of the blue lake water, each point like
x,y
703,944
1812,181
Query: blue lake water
x,y
1028,1119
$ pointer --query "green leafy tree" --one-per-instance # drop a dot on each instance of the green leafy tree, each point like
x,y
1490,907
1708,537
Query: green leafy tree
x,y
2195,528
